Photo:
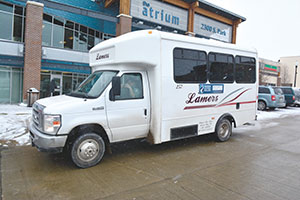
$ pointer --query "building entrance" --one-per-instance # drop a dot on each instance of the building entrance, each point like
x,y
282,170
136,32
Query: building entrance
x,y
59,83
56,84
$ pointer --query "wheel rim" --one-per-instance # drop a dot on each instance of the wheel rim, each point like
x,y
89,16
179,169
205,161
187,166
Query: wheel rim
x,y
88,150
261,106
224,130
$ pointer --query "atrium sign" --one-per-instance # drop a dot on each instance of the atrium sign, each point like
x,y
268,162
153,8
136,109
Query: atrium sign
x,y
159,13
212,29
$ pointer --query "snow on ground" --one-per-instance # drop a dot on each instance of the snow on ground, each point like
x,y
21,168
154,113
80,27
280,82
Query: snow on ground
x,y
15,120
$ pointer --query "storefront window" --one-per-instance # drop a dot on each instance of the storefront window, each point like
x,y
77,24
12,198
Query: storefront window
x,y
45,85
70,81
5,85
11,80
67,83
17,88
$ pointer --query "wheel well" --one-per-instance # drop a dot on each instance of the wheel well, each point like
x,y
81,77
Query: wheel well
x,y
228,117
263,101
78,130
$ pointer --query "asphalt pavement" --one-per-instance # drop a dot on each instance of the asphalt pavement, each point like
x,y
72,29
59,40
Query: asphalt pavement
x,y
258,162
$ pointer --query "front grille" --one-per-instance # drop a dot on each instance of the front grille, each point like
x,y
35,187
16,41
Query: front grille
x,y
37,115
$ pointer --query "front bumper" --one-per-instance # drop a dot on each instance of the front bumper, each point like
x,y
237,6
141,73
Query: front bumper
x,y
47,143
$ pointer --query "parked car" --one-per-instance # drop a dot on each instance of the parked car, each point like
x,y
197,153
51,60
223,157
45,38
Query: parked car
x,y
270,98
289,95
297,97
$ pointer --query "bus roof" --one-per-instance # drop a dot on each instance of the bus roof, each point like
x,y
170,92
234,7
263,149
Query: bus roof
x,y
145,42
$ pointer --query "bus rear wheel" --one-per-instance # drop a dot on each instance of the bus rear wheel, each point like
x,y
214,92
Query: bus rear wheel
x,y
223,130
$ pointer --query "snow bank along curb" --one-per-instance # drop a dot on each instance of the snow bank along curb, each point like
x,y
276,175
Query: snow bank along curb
x,y
14,122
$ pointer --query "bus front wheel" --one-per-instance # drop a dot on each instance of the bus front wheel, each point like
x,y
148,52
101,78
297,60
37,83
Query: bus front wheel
x,y
87,150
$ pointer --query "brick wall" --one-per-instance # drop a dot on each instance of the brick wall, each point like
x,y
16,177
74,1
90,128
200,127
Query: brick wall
x,y
33,46
124,25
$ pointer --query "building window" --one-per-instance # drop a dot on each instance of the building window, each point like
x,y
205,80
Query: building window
x,y
47,30
12,18
11,80
61,33
190,66
6,21
220,68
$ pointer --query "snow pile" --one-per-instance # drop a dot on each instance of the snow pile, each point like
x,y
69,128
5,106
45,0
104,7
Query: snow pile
x,y
15,120
13,127
277,113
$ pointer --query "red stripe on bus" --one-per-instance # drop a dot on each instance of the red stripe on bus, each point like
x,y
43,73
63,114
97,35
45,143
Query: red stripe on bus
x,y
196,107
230,104
208,106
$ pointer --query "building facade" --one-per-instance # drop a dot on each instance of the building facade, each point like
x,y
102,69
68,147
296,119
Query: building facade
x,y
44,44
269,72
290,70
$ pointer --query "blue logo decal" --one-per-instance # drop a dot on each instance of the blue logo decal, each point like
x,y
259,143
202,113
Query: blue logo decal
x,y
211,88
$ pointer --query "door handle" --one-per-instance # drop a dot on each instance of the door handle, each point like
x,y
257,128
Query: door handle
x,y
145,111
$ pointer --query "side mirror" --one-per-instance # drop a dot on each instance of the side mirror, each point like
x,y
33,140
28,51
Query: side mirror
x,y
116,87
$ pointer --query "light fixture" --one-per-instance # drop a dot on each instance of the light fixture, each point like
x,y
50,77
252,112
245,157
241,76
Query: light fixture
x,y
140,22
158,27
295,79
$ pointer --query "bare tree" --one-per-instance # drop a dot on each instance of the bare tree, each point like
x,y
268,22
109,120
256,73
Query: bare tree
x,y
263,79
285,75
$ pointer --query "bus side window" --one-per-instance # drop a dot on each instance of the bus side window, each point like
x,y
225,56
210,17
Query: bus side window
x,y
131,87
221,68
190,66
245,69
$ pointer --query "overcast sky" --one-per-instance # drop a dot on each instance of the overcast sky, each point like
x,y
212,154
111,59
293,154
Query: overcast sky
x,y
272,26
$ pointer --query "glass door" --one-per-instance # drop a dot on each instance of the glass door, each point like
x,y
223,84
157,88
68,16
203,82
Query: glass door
x,y
56,85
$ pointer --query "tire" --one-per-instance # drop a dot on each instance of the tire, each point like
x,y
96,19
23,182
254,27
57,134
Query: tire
x,y
261,105
87,150
272,108
223,130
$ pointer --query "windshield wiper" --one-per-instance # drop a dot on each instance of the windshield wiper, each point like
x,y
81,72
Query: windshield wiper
x,y
82,95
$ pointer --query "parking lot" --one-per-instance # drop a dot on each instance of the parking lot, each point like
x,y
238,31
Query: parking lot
x,y
260,162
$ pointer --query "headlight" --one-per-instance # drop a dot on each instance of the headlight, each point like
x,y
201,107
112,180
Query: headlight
x,y
51,123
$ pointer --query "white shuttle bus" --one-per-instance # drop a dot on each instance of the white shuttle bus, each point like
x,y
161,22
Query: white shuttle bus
x,y
150,84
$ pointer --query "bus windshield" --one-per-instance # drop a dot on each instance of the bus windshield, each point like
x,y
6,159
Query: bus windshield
x,y
94,85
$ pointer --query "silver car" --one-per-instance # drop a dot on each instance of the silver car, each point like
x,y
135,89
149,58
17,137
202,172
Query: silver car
x,y
270,98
